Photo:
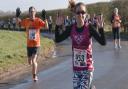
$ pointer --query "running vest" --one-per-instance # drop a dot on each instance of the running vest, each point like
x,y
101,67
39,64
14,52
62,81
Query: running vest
x,y
81,49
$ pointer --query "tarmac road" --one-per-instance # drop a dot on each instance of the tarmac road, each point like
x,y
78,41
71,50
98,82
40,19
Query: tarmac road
x,y
111,70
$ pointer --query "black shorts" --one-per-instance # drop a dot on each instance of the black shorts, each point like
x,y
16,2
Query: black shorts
x,y
32,51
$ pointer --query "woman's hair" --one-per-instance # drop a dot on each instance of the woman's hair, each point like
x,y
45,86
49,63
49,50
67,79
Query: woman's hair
x,y
73,5
116,8
32,7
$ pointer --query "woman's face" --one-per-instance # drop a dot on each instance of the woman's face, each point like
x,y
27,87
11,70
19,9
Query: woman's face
x,y
116,11
80,13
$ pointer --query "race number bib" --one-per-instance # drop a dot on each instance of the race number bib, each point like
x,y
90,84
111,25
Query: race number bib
x,y
79,57
32,34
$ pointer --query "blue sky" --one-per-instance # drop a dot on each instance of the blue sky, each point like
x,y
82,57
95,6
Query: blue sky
x,y
11,5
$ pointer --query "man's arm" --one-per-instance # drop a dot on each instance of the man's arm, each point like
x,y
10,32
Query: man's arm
x,y
46,24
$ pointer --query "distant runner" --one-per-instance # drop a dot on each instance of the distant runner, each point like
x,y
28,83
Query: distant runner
x,y
33,25
116,24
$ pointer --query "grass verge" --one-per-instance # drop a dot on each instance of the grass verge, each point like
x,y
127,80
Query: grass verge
x,y
13,49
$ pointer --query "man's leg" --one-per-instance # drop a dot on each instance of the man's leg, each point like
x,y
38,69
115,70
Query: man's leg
x,y
29,61
34,66
32,60
29,54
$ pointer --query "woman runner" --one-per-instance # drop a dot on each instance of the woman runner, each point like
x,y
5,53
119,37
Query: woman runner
x,y
81,34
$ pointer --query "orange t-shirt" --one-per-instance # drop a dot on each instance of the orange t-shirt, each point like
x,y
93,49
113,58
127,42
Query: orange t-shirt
x,y
33,31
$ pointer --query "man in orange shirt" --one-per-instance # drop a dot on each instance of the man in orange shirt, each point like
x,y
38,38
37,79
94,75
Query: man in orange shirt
x,y
33,25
